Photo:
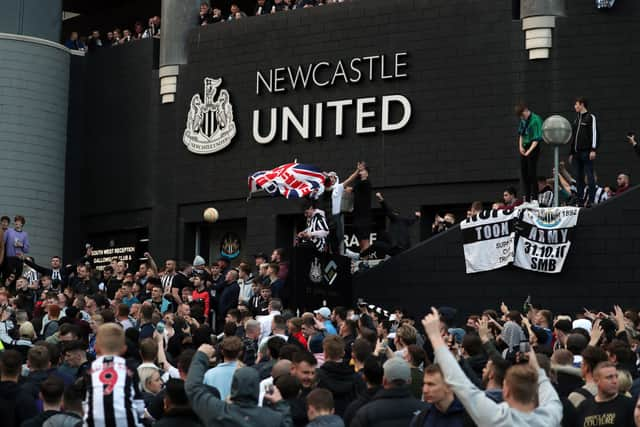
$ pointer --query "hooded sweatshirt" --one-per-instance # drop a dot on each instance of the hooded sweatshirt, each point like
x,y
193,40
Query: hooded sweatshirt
x,y
512,335
243,411
340,379
485,412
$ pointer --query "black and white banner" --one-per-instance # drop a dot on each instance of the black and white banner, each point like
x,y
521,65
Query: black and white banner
x,y
530,237
489,239
544,238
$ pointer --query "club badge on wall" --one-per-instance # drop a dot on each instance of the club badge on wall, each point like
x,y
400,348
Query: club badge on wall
x,y
315,271
210,126
230,246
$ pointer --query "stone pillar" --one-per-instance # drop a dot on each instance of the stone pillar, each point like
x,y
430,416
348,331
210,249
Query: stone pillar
x,y
178,18
538,22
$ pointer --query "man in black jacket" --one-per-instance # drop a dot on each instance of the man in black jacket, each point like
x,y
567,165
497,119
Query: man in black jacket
x,y
584,143
177,411
336,375
16,408
393,405
57,272
51,391
372,374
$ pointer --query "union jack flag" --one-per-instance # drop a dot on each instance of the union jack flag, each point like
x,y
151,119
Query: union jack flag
x,y
292,180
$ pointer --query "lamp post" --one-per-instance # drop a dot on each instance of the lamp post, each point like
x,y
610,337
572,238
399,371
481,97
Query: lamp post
x,y
556,131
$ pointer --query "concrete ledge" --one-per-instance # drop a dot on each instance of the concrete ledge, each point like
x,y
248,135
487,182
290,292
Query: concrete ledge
x,y
539,54
36,40
168,70
538,22
542,42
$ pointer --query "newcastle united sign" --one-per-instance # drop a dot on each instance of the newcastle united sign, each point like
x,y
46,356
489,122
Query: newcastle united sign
x,y
210,126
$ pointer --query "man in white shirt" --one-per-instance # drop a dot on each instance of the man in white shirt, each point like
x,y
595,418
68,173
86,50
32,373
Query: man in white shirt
x,y
265,321
336,231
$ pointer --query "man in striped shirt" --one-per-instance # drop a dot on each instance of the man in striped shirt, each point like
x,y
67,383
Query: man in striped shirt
x,y
317,228
112,397
169,274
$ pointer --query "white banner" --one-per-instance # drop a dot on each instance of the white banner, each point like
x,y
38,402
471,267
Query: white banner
x,y
489,239
544,238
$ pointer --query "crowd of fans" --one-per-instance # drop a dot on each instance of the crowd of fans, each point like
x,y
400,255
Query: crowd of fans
x,y
214,13
199,344
207,15
116,37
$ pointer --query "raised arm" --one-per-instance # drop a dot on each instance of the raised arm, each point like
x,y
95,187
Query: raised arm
x,y
40,269
203,402
482,409
351,178
152,263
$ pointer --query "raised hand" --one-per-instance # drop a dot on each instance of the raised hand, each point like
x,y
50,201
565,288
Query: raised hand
x,y
483,330
208,350
503,308
596,333
431,324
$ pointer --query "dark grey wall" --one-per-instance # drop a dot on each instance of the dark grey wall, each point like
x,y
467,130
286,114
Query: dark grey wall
x,y
601,270
34,18
467,67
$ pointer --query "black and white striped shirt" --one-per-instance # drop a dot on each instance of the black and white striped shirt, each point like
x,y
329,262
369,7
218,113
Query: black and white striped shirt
x,y
167,282
112,398
318,229
599,197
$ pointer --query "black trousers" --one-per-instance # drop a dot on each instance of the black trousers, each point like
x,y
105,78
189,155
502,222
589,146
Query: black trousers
x,y
529,175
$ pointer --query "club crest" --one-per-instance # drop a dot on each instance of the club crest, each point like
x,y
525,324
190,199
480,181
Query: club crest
x,y
210,126
230,246
315,271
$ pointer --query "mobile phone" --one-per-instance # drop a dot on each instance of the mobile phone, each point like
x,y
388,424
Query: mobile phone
x,y
525,347
160,327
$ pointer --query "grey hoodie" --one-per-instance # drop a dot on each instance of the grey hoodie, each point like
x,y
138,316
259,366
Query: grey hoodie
x,y
487,413
243,411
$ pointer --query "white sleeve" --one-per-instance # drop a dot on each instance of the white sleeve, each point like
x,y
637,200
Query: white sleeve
x,y
594,142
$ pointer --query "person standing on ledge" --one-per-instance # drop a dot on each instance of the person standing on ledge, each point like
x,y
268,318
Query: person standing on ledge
x,y
529,139
362,217
585,141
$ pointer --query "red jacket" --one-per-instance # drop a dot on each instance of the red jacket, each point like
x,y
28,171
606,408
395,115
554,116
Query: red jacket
x,y
204,295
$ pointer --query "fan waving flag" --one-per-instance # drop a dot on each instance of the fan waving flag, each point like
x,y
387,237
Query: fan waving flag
x,y
292,180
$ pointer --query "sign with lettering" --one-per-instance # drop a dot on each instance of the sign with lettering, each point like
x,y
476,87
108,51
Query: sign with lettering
x,y
489,239
103,257
530,237
544,238
308,120
210,125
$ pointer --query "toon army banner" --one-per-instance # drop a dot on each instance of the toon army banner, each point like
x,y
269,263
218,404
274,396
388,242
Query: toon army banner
x,y
530,237
489,239
544,238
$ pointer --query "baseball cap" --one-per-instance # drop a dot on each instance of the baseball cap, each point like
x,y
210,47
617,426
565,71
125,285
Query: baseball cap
x,y
582,323
397,369
324,312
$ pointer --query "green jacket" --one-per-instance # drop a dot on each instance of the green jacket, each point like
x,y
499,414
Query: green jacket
x,y
530,130
243,411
